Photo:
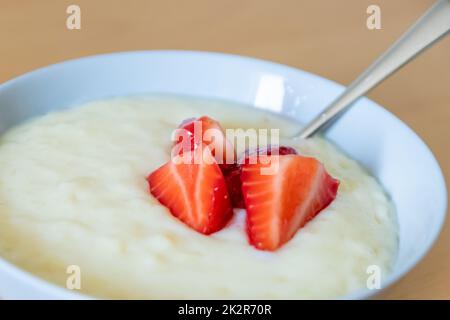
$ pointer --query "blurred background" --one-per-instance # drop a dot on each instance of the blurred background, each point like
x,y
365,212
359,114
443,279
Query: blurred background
x,y
326,37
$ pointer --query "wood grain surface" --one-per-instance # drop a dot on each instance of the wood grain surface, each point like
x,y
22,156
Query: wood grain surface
x,y
329,38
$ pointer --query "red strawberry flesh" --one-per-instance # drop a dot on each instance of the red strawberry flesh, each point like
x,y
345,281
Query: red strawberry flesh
x,y
230,169
232,173
195,192
279,204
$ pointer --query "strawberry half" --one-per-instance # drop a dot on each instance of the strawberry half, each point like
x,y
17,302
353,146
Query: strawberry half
x,y
195,132
232,173
279,204
194,191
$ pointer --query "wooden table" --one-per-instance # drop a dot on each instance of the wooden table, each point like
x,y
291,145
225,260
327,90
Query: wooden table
x,y
326,37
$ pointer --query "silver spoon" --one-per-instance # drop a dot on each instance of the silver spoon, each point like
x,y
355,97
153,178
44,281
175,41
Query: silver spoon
x,y
432,26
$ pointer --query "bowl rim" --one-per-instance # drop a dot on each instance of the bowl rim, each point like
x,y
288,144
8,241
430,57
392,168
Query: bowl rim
x,y
56,291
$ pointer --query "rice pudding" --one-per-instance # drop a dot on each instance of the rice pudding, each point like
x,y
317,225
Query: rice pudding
x,y
73,192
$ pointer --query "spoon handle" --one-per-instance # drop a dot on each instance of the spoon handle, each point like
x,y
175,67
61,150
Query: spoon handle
x,y
432,26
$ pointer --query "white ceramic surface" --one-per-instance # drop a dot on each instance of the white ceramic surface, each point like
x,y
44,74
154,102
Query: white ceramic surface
x,y
383,144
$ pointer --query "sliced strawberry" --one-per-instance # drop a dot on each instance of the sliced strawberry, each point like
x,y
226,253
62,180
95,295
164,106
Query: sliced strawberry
x,y
232,173
194,132
204,130
279,204
194,191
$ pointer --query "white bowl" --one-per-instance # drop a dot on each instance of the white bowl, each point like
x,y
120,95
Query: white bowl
x,y
391,151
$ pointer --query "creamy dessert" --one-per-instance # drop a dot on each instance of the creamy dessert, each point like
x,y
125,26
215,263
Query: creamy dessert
x,y
73,191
